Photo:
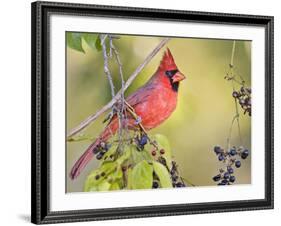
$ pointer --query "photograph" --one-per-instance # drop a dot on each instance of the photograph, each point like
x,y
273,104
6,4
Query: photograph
x,y
146,112
153,112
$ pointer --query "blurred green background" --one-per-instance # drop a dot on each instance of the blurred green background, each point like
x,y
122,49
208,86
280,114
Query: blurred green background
x,y
205,104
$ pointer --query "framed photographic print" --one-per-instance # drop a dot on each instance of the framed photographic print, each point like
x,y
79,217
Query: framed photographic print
x,y
149,112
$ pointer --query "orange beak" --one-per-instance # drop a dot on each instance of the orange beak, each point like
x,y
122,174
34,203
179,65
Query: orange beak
x,y
178,77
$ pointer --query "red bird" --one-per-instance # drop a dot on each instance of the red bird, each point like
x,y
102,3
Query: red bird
x,y
153,103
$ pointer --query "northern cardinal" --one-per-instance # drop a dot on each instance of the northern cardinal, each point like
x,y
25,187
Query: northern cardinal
x,y
153,103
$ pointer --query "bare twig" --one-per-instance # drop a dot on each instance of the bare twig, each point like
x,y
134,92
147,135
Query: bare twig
x,y
237,116
121,109
106,68
232,54
93,117
230,130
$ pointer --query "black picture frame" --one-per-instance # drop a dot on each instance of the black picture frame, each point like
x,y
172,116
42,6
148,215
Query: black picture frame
x,y
40,211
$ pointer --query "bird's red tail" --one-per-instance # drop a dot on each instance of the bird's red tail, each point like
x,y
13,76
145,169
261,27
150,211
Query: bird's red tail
x,y
89,153
83,160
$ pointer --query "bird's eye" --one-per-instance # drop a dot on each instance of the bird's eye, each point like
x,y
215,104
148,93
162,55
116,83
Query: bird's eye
x,y
171,73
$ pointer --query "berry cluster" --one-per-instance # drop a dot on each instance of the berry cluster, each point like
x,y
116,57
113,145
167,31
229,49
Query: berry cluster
x,y
101,149
244,99
230,158
176,179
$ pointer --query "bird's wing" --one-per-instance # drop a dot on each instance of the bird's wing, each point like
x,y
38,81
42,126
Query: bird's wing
x,y
140,96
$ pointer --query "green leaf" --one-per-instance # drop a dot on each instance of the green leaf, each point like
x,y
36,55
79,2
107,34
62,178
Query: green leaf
x,y
74,41
142,175
90,39
163,175
146,155
137,156
98,44
163,143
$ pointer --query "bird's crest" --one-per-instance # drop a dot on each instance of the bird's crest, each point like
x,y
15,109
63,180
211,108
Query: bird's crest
x,y
167,62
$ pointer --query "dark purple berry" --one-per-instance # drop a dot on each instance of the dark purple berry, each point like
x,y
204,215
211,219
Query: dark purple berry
x,y
97,177
242,101
162,151
217,149
96,150
235,94
102,174
107,146
232,152
226,175
155,184
153,153
221,157
179,185
232,179
237,164
99,155
224,182
244,154
230,170
143,140
217,177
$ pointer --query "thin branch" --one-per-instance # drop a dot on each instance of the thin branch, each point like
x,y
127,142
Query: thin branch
x,y
93,117
237,116
230,131
106,68
121,109
232,54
